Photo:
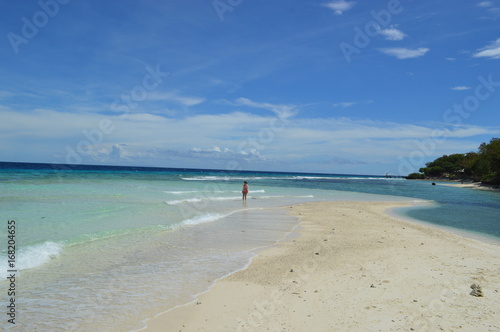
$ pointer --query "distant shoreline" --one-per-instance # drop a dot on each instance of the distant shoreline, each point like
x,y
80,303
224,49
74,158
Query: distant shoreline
x,y
477,186
461,184
471,185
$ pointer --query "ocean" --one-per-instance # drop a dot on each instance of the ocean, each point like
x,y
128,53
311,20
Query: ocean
x,y
105,248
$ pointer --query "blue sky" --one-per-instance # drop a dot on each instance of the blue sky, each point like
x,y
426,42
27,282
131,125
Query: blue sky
x,y
356,87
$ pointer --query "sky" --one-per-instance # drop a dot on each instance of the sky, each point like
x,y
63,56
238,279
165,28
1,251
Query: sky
x,y
340,87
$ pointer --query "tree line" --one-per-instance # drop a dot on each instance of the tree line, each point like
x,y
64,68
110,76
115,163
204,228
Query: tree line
x,y
481,166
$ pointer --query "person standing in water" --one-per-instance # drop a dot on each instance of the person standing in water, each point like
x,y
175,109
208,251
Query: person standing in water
x,y
245,190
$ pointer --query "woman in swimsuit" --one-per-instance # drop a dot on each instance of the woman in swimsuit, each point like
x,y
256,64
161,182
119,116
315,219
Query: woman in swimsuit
x,y
245,190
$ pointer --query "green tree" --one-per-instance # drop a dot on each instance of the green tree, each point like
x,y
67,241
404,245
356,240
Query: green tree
x,y
415,176
445,166
483,165
486,167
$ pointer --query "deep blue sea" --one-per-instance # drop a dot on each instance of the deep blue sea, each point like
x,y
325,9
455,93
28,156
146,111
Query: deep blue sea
x,y
104,248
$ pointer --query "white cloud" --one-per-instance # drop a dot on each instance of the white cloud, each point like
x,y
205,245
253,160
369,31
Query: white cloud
x,y
207,132
392,33
491,51
344,104
175,97
346,129
461,88
118,151
6,94
495,11
282,111
142,117
340,6
405,53
343,161
213,141
485,4
216,151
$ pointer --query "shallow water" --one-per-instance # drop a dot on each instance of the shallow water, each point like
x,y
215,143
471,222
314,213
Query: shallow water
x,y
106,249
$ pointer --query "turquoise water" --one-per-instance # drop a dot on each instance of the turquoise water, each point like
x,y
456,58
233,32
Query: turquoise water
x,y
105,248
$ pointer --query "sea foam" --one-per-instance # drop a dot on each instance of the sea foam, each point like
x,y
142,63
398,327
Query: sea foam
x,y
37,255
205,218
30,257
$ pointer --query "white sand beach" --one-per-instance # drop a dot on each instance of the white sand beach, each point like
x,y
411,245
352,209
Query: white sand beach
x,y
471,185
353,268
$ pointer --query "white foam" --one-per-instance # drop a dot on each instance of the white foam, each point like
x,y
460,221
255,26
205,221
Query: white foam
x,y
261,191
180,192
287,177
32,256
340,178
204,218
37,255
230,198
217,198
224,198
180,201
234,178
210,191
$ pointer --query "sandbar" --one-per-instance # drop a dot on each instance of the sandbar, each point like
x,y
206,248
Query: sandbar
x,y
353,268
471,185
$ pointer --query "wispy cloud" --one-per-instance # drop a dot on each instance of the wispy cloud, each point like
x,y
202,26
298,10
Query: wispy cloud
x,y
6,94
392,33
491,51
488,5
142,117
283,111
218,138
485,4
495,11
460,88
405,53
344,104
343,161
226,153
340,6
176,97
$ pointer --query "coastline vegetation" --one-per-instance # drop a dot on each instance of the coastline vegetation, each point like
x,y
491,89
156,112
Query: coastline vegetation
x,y
481,166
